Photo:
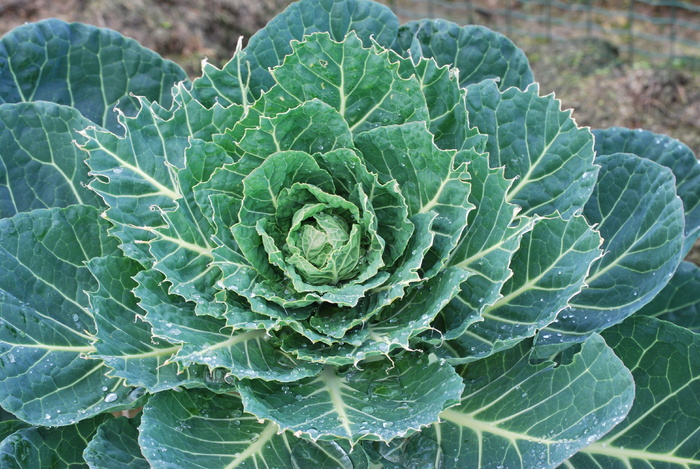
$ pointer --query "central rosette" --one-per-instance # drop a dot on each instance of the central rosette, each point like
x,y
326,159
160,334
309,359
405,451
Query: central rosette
x,y
314,228
319,239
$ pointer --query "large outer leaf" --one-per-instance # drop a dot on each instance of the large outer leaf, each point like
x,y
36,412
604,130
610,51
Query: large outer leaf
x,y
267,48
199,429
679,301
640,218
662,430
125,340
46,326
37,447
520,415
548,269
542,149
383,400
116,446
9,424
477,52
668,152
40,165
91,69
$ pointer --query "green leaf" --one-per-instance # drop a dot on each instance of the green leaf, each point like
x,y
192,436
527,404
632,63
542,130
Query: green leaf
x,y
635,208
362,84
125,340
144,180
227,85
678,302
40,165
47,328
548,269
116,445
477,52
377,401
91,69
312,127
397,323
438,181
549,158
668,152
262,190
518,414
331,454
486,247
142,175
388,204
9,424
207,341
446,104
414,452
662,430
268,47
212,431
39,447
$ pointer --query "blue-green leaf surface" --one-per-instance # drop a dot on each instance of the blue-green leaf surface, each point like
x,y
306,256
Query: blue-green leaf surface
x,y
115,445
477,52
206,341
46,326
212,431
549,157
9,424
679,301
381,400
40,164
518,415
362,83
267,48
42,447
492,236
548,269
437,181
145,181
90,69
662,430
126,342
640,218
668,152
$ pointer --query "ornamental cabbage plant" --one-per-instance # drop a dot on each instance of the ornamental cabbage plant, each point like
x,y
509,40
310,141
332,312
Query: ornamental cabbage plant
x,y
355,245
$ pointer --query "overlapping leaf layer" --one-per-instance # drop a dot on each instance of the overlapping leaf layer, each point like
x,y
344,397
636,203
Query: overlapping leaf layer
x,y
354,244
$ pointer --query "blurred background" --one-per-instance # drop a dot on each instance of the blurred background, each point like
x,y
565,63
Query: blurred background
x,y
631,63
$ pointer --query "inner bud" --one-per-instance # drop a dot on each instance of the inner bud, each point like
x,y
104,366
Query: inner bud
x,y
324,247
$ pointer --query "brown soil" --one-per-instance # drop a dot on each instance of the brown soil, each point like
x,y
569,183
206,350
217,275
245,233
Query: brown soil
x,y
182,30
604,93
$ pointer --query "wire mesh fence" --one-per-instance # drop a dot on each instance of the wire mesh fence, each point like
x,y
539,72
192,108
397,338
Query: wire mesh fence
x,y
652,29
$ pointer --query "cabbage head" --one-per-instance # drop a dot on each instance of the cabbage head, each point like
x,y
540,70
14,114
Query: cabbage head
x,y
355,245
